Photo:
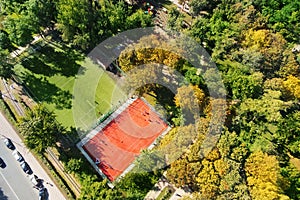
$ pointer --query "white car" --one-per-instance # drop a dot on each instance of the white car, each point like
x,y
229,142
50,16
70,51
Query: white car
x,y
34,179
17,156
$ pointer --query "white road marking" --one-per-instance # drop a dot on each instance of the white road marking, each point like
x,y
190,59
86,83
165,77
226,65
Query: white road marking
x,y
10,186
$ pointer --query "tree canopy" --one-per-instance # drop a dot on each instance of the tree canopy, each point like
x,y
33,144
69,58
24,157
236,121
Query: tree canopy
x,y
39,129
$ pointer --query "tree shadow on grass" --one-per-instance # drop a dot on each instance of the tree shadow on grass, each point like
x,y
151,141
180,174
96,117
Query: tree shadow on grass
x,y
63,62
37,66
47,92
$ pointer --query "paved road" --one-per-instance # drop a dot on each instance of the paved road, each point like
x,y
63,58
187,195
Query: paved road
x,y
9,185
13,181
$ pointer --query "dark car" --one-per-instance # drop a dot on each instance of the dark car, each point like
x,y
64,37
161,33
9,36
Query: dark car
x,y
43,195
2,163
26,167
9,144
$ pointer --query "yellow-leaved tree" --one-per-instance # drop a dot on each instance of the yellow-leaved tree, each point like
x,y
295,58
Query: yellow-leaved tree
x,y
292,85
264,178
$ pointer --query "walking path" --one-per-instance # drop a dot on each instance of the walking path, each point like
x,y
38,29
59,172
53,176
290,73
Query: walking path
x,y
161,184
36,38
20,50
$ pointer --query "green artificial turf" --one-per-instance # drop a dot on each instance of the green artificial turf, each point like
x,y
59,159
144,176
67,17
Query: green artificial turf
x,y
77,97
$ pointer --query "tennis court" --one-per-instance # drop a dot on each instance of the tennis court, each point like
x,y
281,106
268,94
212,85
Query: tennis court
x,y
116,142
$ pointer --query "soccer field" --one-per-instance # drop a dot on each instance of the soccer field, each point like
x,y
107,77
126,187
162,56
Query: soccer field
x,y
51,73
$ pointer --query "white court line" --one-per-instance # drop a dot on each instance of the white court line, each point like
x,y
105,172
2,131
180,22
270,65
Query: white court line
x,y
9,186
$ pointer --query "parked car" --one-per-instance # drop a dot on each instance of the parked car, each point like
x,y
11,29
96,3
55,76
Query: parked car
x,y
37,183
2,163
43,194
34,179
18,156
9,144
26,167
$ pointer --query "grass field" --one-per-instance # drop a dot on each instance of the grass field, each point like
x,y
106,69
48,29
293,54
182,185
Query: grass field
x,y
50,74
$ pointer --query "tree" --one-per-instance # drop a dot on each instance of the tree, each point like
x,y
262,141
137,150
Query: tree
x,y
149,49
39,129
19,28
175,19
74,165
200,30
270,45
96,190
283,17
76,20
182,172
93,21
290,64
5,64
149,161
292,174
288,132
43,13
136,185
292,85
208,180
263,177
138,19
190,99
203,5
5,42
241,82
265,109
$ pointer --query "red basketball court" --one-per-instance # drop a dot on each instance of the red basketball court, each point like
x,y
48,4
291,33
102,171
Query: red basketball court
x,y
115,143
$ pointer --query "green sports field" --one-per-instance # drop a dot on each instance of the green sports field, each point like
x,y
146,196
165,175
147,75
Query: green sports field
x,y
69,84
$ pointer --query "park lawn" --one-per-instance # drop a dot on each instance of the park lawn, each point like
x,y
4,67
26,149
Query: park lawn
x,y
52,78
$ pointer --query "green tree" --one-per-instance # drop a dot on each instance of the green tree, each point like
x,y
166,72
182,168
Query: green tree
x,y
76,20
5,64
292,174
96,190
267,108
19,28
5,42
138,19
175,19
74,165
136,185
40,129
42,13
288,132
203,5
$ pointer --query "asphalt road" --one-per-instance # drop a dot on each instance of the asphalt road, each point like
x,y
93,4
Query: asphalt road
x,y
14,183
